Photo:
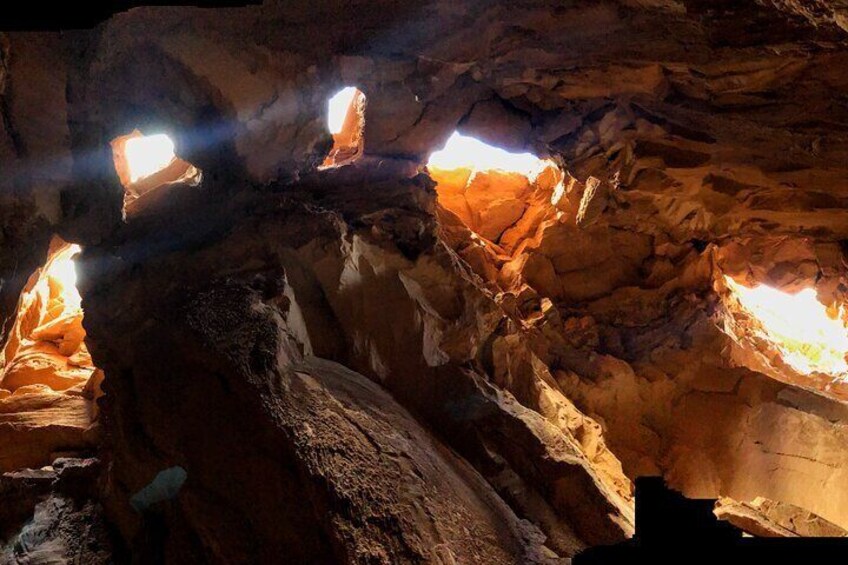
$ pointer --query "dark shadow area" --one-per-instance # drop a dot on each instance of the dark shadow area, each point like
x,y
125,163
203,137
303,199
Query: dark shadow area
x,y
671,528
68,16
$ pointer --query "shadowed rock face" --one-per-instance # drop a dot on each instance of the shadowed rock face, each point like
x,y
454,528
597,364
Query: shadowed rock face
x,y
369,363
262,309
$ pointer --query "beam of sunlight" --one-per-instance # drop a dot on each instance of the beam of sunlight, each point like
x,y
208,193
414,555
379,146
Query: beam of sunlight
x,y
148,154
338,107
798,325
467,152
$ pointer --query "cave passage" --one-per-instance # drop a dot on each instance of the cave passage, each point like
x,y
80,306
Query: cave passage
x,y
49,385
46,347
346,122
420,284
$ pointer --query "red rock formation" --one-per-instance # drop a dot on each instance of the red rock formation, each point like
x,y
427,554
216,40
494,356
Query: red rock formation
x,y
765,518
45,397
380,362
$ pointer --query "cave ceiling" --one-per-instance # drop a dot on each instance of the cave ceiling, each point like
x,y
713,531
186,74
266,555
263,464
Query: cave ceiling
x,y
331,344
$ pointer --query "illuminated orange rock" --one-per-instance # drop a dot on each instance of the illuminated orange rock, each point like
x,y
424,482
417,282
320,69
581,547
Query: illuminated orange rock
x,y
46,343
489,201
36,422
349,142
46,366
544,334
766,518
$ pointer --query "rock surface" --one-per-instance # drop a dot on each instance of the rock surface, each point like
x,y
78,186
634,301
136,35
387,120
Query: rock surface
x,y
46,404
380,363
50,516
349,295
766,518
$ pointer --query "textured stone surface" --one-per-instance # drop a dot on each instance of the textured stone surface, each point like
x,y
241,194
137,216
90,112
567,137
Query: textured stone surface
x,y
36,423
547,341
49,516
766,518
46,404
351,295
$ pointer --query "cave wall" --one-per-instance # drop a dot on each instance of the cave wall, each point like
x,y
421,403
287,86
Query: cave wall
x,y
345,298
36,157
293,320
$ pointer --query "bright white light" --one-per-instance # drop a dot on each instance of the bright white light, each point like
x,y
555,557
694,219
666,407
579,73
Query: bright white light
x,y
466,152
338,108
63,270
798,325
148,154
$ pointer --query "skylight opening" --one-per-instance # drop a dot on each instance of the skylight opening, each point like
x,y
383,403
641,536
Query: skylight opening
x,y
488,189
145,163
464,152
809,339
62,270
339,107
346,121
148,154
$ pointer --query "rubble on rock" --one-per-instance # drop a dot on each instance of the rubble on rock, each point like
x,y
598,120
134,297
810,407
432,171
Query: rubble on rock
x,y
50,516
766,518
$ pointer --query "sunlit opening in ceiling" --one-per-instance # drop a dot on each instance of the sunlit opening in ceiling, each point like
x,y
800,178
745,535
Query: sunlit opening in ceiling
x,y
346,121
488,189
61,271
148,154
338,107
463,152
798,325
145,163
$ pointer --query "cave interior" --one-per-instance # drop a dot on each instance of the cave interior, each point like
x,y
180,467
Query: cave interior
x,y
389,282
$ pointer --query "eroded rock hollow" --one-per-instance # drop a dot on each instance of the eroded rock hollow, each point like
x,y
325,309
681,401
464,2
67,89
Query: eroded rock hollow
x,y
387,282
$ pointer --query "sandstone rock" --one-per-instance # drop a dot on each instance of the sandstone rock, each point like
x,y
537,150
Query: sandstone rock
x,y
45,355
593,202
492,121
36,421
61,531
48,515
377,459
349,143
45,365
487,201
519,348
766,518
